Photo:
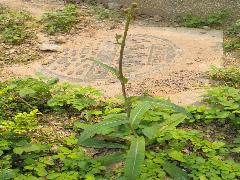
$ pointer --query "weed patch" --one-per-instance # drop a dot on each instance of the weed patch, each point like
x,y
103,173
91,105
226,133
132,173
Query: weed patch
x,y
229,76
60,20
215,19
103,13
191,21
13,26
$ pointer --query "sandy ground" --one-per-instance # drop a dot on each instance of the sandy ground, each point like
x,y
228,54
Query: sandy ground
x,y
167,62
36,7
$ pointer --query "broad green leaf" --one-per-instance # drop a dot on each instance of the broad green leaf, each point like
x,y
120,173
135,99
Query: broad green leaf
x,y
26,91
159,129
236,150
6,174
110,122
53,81
135,158
151,132
29,148
176,155
111,159
138,112
175,172
41,171
1,152
95,143
171,123
165,104
53,175
113,70
89,177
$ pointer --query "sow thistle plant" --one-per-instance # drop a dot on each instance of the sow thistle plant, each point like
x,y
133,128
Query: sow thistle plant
x,y
125,127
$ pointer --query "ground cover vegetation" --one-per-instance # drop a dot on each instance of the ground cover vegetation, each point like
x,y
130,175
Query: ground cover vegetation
x,y
19,29
53,130
14,26
220,19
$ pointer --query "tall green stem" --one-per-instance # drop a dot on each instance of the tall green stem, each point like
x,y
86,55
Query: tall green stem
x,y
130,14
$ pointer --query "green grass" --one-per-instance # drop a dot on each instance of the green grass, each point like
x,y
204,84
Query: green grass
x,y
227,76
14,27
103,14
61,20
191,20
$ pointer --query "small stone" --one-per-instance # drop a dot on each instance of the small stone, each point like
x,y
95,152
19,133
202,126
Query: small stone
x,y
49,47
70,73
11,51
112,4
54,68
60,40
157,18
79,72
206,28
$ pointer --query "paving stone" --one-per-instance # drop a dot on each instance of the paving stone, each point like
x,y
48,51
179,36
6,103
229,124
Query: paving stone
x,y
150,52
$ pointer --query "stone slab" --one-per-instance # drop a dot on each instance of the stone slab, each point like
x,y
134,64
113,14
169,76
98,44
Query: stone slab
x,y
151,52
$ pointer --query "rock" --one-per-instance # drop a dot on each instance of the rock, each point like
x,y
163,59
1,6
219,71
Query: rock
x,y
11,51
59,40
49,47
206,28
157,18
113,4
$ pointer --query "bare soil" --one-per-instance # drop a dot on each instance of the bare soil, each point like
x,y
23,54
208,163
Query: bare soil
x,y
167,62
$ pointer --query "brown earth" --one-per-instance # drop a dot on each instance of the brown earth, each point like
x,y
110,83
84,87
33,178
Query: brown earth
x,y
168,62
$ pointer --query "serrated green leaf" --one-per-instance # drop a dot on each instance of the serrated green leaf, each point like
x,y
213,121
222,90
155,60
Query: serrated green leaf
x,y
6,174
109,122
236,150
53,175
135,158
89,177
1,152
29,148
95,143
53,81
176,155
26,91
111,159
138,112
175,172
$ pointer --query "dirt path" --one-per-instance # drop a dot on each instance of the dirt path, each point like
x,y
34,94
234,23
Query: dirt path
x,y
36,7
168,62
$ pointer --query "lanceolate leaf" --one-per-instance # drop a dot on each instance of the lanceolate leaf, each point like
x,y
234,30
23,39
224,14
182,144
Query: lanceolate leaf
x,y
138,112
113,158
95,143
171,123
114,121
135,158
175,172
146,103
151,131
113,70
158,129
165,104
